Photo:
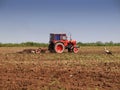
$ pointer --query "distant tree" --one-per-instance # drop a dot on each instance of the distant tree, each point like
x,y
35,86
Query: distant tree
x,y
99,43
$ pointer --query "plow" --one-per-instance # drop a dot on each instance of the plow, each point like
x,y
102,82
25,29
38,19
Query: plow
x,y
34,51
57,44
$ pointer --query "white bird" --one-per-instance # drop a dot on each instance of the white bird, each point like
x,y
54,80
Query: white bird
x,y
107,51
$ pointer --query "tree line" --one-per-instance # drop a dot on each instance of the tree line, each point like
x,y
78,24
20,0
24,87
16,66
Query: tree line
x,y
36,44
99,43
24,44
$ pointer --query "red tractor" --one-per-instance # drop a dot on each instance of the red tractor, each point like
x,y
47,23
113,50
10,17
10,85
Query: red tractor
x,y
58,43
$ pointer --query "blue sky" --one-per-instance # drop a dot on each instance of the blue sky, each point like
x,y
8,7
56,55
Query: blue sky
x,y
34,20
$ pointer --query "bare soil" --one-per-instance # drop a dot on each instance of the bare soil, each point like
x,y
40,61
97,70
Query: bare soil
x,y
28,72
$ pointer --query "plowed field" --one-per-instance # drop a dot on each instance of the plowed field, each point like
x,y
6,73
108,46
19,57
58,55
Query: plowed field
x,y
90,69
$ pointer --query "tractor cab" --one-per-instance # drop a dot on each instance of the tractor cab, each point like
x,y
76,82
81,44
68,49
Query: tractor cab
x,y
57,37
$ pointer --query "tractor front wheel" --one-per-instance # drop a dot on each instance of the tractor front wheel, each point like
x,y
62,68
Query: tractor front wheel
x,y
75,50
59,47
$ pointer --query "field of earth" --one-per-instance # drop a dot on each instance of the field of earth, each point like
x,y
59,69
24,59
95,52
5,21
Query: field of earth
x,y
90,69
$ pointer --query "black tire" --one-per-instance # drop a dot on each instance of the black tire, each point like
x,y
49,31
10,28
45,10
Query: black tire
x,y
51,47
70,49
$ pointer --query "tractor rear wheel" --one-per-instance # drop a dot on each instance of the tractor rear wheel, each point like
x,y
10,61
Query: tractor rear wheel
x,y
59,47
75,50
51,47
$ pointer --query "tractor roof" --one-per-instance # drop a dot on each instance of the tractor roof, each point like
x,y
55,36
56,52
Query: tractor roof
x,y
58,34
